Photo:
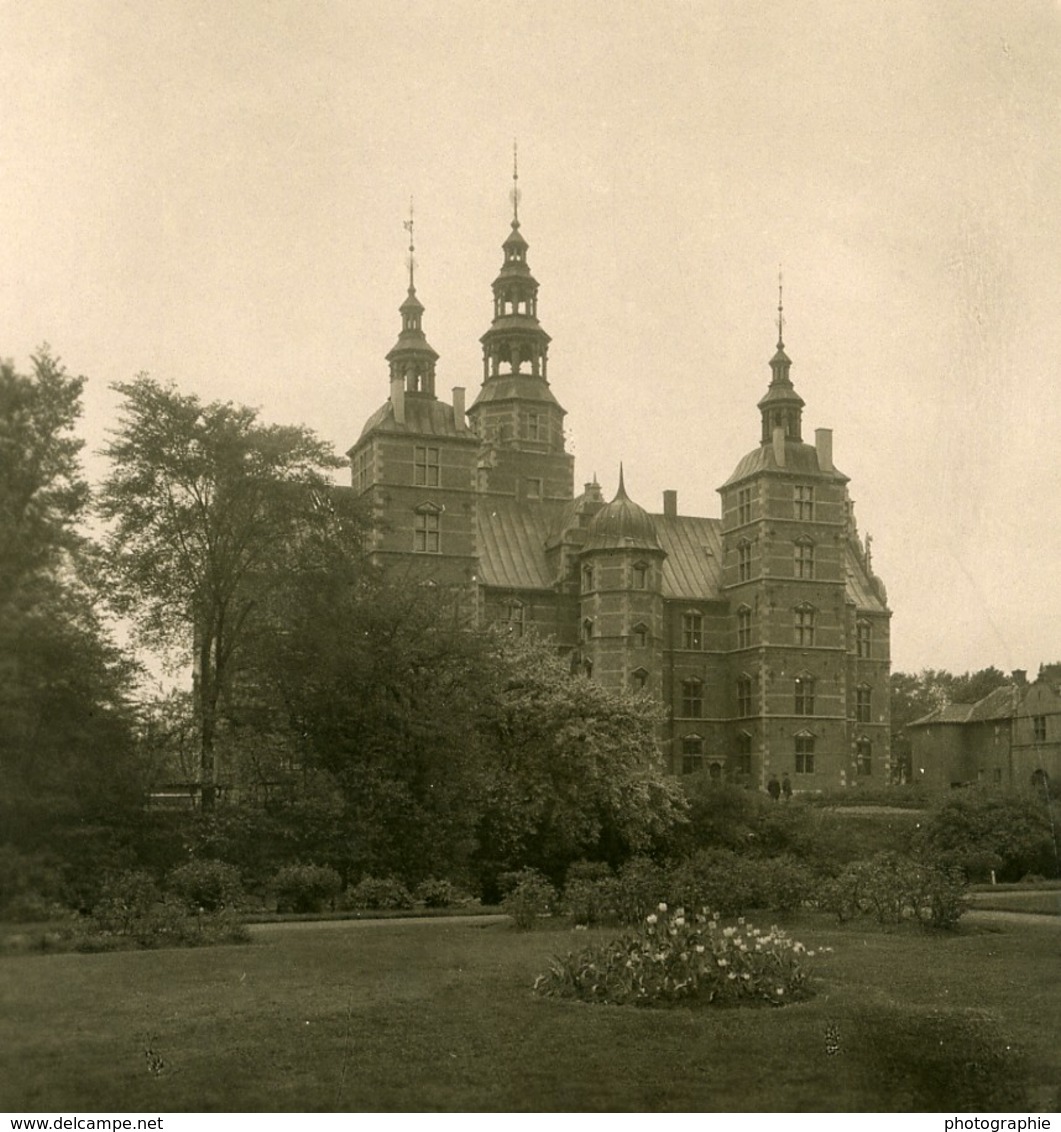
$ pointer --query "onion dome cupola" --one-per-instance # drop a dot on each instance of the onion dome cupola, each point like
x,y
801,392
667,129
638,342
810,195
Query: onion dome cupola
x,y
411,358
781,406
515,348
622,525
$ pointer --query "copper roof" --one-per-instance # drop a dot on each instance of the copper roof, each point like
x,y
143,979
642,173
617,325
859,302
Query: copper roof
x,y
799,458
692,569
424,416
512,542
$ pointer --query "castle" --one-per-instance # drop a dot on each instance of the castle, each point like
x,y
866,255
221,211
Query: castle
x,y
764,634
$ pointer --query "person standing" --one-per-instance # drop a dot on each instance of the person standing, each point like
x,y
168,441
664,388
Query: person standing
x,y
773,787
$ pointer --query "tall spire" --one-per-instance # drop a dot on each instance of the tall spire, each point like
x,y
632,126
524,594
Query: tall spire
x,y
408,226
412,359
515,184
780,310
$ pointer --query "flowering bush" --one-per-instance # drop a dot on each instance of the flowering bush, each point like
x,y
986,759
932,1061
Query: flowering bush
x,y
532,896
672,957
640,884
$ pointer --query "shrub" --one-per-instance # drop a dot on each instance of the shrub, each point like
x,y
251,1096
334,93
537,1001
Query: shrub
x,y
591,901
532,896
640,883
306,888
30,888
893,889
440,894
671,957
731,884
126,900
379,893
207,885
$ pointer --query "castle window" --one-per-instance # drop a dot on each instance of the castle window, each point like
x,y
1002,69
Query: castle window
x,y
533,488
863,637
640,576
804,753
744,695
587,578
640,636
1038,728
692,754
803,625
803,502
692,699
744,627
864,704
804,561
425,466
744,754
427,534
587,629
804,699
863,758
744,505
514,618
639,679
744,560
692,631
361,467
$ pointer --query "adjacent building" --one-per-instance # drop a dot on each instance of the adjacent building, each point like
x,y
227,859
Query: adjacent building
x,y
764,633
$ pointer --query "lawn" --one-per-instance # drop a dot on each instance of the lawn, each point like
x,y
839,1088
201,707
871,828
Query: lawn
x,y
412,1016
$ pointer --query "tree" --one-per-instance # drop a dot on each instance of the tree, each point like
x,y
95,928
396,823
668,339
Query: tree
x,y
205,502
575,768
65,725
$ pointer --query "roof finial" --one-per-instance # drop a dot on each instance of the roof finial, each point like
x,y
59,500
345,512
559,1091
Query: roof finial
x,y
515,184
408,226
780,310
622,486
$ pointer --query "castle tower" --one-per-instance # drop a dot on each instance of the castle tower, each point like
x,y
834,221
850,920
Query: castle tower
x,y
620,596
789,579
415,462
516,416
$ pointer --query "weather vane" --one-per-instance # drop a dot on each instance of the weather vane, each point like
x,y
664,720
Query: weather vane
x,y
515,183
408,226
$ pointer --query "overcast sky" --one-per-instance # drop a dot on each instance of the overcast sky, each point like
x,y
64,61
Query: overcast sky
x,y
214,193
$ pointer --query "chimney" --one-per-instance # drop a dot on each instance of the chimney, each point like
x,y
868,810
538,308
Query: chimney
x,y
1020,677
398,399
458,408
779,446
670,504
823,441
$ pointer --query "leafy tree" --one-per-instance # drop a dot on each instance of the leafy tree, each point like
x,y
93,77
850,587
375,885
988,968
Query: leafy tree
x,y
575,769
204,501
65,727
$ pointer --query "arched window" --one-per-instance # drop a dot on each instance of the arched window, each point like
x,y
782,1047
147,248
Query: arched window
x,y
639,636
692,754
804,697
692,699
639,679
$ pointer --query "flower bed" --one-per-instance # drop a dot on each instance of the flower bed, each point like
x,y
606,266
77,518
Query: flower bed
x,y
673,957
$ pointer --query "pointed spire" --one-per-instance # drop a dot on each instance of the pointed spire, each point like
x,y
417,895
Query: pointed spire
x,y
515,184
780,310
408,226
621,493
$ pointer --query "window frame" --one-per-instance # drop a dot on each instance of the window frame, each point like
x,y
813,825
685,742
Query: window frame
x,y
744,627
864,703
745,696
427,465
693,631
427,530
744,560
803,559
803,502
863,757
693,698
803,749
804,625
803,694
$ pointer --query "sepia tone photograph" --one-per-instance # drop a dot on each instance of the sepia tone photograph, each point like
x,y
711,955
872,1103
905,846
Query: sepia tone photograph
x,y
529,543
